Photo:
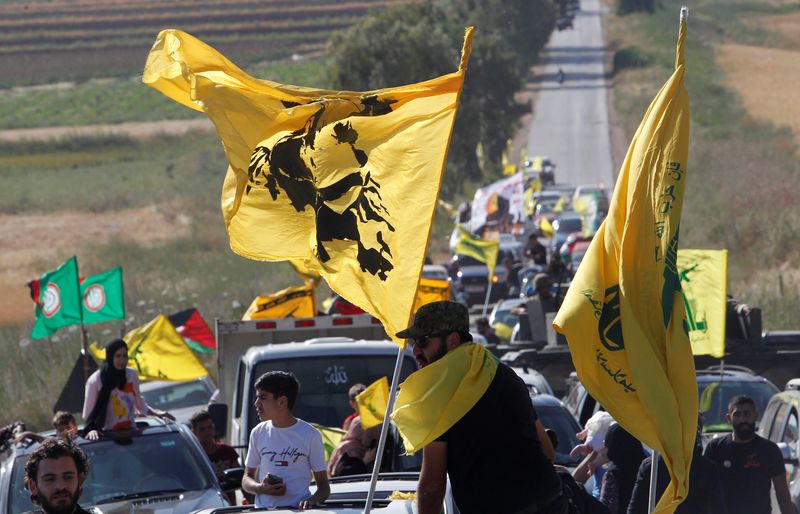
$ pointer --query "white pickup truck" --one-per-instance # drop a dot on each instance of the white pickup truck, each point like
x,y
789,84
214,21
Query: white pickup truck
x,y
327,354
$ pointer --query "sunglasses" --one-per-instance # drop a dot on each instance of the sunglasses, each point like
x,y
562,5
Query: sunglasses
x,y
422,342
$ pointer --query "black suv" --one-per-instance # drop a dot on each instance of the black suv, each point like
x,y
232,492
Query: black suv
x,y
155,466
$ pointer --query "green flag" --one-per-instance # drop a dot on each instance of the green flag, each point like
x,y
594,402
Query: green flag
x,y
103,298
57,297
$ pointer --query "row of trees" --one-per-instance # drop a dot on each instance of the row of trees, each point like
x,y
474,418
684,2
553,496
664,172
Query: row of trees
x,y
422,40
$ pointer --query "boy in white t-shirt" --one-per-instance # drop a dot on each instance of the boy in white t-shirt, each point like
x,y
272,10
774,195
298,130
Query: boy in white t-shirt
x,y
284,451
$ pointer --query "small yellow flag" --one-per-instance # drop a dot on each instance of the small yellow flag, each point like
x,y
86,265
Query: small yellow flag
x,y
331,437
546,227
346,181
623,315
372,403
435,397
703,276
157,352
431,290
292,302
484,251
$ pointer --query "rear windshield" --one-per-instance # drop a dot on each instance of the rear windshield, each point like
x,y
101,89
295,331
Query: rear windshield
x,y
324,382
161,462
178,395
715,396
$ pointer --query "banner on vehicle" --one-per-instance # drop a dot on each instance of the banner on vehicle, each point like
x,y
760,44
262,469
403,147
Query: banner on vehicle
x,y
292,302
500,205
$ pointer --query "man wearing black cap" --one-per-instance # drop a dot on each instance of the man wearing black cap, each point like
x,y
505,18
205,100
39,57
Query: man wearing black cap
x,y
497,455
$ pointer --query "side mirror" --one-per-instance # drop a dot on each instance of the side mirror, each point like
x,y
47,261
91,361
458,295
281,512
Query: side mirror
x,y
231,479
219,415
786,452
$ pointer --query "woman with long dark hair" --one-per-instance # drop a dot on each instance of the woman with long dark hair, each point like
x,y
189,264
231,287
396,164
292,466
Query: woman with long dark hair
x,y
112,397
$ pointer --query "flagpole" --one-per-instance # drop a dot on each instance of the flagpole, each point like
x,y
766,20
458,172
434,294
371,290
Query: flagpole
x,y
373,481
85,350
653,480
488,294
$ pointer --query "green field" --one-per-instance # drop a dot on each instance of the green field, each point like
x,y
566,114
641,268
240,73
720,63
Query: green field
x,y
743,186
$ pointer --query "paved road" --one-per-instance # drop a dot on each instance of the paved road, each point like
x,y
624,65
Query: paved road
x,y
570,123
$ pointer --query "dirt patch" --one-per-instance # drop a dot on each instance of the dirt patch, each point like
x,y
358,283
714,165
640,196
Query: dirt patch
x,y
787,25
133,129
29,239
766,80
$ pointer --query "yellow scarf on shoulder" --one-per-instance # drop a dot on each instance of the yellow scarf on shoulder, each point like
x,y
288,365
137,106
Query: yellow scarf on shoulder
x,y
434,398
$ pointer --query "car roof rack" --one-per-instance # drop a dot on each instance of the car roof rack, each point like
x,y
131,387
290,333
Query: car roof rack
x,y
717,368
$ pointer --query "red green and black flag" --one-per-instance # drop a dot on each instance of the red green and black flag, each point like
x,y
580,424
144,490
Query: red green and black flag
x,y
58,299
194,330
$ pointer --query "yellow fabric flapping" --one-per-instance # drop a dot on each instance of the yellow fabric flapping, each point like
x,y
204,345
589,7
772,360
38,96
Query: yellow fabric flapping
x,y
623,315
308,274
431,290
372,403
484,251
546,227
158,352
346,181
434,398
331,437
292,302
704,281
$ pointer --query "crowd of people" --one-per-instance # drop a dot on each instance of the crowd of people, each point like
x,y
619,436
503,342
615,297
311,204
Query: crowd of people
x,y
498,455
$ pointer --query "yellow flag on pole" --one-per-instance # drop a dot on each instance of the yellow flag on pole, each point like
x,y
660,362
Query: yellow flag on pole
x,y
308,274
346,180
703,276
158,352
431,290
484,251
292,302
623,315
372,403
546,227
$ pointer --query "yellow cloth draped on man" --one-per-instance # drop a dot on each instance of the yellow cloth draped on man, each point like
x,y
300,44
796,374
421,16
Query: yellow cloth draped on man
x,y
623,315
435,397
346,181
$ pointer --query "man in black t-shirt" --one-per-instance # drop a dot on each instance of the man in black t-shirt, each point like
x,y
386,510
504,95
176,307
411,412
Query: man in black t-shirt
x,y
748,464
498,455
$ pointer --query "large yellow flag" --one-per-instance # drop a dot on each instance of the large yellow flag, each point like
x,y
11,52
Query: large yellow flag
x,y
431,290
623,315
346,181
372,403
703,276
484,251
292,302
158,352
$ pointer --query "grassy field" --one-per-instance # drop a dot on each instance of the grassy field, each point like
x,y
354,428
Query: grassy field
x,y
744,186
45,42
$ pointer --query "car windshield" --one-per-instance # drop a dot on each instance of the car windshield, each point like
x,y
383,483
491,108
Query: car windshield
x,y
326,380
176,395
565,427
505,316
118,468
567,225
715,395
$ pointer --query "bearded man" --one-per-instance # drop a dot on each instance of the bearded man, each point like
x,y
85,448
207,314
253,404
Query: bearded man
x,y
54,475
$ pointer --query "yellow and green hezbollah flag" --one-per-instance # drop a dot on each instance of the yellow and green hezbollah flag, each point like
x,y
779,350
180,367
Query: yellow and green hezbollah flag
x,y
292,302
623,315
372,403
346,181
484,251
158,352
431,290
435,397
331,437
703,276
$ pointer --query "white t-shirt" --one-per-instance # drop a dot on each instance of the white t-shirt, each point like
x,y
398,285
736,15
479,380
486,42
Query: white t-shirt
x,y
123,404
293,453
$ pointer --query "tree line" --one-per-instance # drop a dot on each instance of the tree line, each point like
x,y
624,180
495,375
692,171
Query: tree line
x,y
422,40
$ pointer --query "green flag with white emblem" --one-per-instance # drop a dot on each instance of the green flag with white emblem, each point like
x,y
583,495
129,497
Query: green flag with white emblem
x,y
103,296
57,297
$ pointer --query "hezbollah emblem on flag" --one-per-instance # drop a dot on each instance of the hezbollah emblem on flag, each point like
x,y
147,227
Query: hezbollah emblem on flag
x,y
286,167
